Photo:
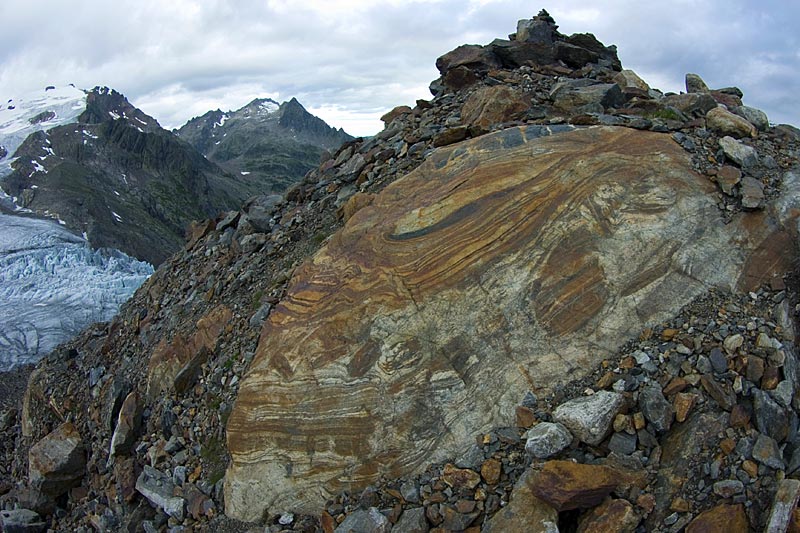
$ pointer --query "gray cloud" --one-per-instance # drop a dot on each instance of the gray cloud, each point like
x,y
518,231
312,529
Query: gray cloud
x,y
351,60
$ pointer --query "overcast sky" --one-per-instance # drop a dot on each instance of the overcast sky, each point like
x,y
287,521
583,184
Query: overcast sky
x,y
349,61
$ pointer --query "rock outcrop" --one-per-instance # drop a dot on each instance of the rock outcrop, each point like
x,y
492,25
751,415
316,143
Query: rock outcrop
x,y
521,259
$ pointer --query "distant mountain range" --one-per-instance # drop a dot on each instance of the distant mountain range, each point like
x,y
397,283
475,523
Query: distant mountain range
x,y
107,170
265,142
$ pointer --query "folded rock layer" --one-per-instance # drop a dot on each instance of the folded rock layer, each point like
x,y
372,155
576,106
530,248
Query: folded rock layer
x,y
503,264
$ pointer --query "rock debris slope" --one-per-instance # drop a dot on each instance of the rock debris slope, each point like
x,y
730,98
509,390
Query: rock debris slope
x,y
549,296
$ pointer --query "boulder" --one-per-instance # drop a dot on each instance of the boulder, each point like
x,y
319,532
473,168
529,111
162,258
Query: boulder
x,y
494,105
627,79
367,520
738,152
547,439
128,424
528,255
752,193
159,490
565,485
726,123
57,462
471,56
575,56
394,113
692,104
786,498
695,84
515,54
590,418
754,116
174,365
602,95
21,521
536,31
611,516
720,518
412,521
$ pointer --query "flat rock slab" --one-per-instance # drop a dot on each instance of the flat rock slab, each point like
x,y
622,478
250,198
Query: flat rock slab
x,y
503,264
565,485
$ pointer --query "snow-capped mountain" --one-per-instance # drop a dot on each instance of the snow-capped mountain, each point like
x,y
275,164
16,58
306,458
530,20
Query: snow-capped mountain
x,y
110,172
53,285
264,141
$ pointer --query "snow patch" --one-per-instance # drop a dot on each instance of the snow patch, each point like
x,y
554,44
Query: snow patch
x,y
269,107
221,120
89,134
115,116
244,173
37,167
116,216
15,126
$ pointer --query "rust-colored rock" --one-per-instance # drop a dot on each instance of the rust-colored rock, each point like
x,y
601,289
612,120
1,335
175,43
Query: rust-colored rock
x,y
503,264
525,512
566,485
491,471
611,516
394,113
720,519
175,364
354,204
460,478
494,105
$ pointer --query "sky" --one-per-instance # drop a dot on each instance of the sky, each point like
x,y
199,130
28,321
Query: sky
x,y
350,61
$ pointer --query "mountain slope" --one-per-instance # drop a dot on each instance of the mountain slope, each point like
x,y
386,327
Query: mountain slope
x,y
266,142
120,179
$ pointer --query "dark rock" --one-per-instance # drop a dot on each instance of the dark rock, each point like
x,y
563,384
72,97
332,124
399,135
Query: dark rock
x,y
450,136
21,521
611,516
656,409
128,424
695,84
575,56
693,104
622,443
452,520
768,417
525,512
718,360
719,391
720,518
766,452
515,54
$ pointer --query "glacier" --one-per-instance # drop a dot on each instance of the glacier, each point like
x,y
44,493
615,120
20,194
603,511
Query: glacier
x,y
53,285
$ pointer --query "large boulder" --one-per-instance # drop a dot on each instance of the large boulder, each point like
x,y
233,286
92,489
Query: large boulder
x,y
503,264
57,462
494,105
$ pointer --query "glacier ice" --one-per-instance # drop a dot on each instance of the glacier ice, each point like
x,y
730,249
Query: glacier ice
x,y
53,285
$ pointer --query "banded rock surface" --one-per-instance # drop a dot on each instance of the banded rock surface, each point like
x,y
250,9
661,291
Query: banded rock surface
x,y
507,263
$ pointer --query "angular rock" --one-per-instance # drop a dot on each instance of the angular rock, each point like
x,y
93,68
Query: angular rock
x,y
412,521
720,518
727,178
695,84
693,104
365,520
589,418
622,443
566,485
453,520
473,57
769,417
579,239
629,79
514,54
655,408
21,521
783,506
738,152
159,490
752,193
726,123
525,512
766,452
728,488
450,136
547,439
58,461
129,422
611,516
394,113
535,31
754,116
575,56
491,470
603,95
494,105
174,365
683,405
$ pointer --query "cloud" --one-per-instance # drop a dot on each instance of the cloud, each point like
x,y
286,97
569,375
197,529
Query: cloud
x,y
352,60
